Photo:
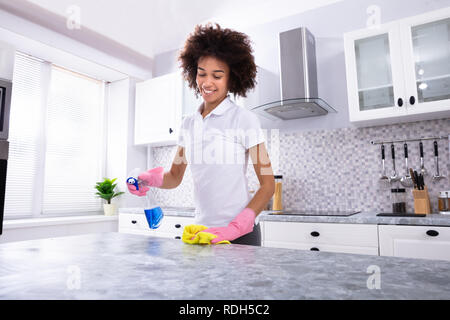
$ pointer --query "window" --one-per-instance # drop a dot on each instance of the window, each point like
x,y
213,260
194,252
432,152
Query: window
x,y
56,140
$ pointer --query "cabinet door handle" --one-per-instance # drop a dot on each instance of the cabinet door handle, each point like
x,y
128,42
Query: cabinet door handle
x,y
314,249
177,237
170,130
315,234
400,102
178,225
432,233
133,221
412,100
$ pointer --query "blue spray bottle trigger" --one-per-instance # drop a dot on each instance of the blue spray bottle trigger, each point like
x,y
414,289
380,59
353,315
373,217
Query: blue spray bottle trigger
x,y
134,182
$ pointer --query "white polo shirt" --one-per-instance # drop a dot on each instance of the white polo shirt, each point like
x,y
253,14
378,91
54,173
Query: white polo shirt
x,y
216,150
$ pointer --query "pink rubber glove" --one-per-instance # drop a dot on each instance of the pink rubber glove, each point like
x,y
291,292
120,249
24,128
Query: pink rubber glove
x,y
238,227
151,178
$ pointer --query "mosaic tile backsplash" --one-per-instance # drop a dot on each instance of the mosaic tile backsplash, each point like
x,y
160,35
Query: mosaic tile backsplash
x,y
336,169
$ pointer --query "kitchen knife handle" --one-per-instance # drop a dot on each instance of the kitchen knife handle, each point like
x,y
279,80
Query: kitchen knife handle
x,y
416,177
413,178
421,149
393,151
382,151
405,147
435,149
421,182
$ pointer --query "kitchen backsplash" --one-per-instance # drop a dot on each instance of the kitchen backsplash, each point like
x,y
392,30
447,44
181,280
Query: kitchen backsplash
x,y
335,169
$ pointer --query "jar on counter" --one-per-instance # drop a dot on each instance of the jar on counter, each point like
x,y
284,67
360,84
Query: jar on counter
x,y
277,197
398,200
444,202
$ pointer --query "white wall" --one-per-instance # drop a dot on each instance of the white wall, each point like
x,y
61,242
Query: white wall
x,y
122,156
49,45
6,60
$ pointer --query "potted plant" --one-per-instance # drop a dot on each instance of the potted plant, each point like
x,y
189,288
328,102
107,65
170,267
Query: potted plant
x,y
106,191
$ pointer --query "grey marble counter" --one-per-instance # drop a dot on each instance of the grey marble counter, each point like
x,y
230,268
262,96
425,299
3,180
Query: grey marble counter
x,y
434,219
125,266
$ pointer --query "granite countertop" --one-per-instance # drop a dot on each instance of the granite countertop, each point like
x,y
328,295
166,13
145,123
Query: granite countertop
x,y
433,219
125,266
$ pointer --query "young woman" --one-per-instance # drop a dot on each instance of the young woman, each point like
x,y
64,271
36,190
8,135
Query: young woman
x,y
218,140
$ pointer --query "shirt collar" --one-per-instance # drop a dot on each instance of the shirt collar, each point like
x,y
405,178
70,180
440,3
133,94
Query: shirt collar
x,y
220,109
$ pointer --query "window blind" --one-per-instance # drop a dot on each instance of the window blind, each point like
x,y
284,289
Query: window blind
x,y
74,143
56,140
24,135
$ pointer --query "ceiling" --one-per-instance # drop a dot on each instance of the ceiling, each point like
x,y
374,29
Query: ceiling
x,y
150,27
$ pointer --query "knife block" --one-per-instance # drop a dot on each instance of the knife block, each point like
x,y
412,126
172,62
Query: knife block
x,y
421,201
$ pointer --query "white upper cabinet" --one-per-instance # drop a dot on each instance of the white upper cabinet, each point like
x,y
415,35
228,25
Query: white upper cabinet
x,y
400,71
161,103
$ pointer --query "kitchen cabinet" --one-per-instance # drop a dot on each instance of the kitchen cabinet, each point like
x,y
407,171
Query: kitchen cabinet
x,y
423,242
171,226
399,71
330,237
161,103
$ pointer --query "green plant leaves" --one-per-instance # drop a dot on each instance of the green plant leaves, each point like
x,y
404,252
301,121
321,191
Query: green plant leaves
x,y
106,189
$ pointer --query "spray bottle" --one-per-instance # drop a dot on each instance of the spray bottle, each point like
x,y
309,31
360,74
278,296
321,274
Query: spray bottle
x,y
153,213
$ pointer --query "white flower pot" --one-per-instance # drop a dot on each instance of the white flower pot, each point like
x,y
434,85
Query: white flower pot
x,y
109,209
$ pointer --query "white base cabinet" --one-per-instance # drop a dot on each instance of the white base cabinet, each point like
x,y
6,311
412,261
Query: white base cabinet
x,y
423,242
329,237
171,226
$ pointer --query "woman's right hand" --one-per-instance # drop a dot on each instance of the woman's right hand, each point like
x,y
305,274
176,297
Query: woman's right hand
x,y
152,178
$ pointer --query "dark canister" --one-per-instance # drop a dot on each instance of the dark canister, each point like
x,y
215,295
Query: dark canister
x,y
398,200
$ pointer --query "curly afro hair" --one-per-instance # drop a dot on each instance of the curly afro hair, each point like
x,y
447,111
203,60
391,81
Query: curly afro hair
x,y
227,45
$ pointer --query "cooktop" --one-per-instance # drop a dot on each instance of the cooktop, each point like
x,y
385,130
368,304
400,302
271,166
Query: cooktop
x,y
315,213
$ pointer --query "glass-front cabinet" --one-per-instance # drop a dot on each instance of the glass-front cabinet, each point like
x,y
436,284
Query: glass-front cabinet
x,y
427,63
400,71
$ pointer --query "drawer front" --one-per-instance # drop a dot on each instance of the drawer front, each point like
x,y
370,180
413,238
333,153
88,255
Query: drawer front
x,y
170,225
422,242
133,221
322,247
360,235
174,225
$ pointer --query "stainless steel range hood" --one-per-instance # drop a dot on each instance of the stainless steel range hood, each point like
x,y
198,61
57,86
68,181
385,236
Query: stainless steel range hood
x,y
298,81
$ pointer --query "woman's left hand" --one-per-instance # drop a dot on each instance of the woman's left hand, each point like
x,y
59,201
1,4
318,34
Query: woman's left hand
x,y
239,226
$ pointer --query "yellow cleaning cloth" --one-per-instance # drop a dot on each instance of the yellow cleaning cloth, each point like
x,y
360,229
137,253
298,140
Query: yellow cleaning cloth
x,y
194,231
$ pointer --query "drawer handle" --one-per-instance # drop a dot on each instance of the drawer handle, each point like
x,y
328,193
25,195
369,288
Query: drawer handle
x,y
432,233
315,234
177,237
314,249
400,102
178,225
133,221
